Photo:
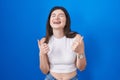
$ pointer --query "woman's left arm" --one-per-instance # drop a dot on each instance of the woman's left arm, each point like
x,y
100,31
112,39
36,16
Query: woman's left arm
x,y
78,47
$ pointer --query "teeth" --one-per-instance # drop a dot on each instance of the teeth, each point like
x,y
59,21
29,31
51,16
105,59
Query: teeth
x,y
57,22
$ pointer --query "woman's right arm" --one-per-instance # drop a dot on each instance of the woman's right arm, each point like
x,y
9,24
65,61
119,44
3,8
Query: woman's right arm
x,y
44,63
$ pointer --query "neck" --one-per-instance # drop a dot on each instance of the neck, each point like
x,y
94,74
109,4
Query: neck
x,y
58,33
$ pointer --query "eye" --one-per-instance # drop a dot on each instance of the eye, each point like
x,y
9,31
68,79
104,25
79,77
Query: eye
x,y
53,15
61,15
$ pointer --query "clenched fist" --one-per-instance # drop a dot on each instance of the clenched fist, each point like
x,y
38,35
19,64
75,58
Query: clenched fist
x,y
44,49
78,45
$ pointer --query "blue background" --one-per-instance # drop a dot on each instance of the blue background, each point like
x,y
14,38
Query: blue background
x,y
22,22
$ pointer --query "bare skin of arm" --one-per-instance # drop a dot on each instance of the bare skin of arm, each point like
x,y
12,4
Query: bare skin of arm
x,y
44,63
78,47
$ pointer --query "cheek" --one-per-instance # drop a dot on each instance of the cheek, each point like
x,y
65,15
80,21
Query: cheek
x,y
63,21
51,22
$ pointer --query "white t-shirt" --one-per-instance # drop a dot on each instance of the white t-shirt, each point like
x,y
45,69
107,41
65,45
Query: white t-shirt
x,y
61,57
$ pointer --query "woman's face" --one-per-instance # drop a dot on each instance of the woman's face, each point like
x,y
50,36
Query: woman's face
x,y
57,19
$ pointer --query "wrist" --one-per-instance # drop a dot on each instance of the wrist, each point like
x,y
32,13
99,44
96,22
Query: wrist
x,y
80,52
42,54
80,56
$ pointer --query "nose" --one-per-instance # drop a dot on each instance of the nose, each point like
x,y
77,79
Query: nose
x,y
57,17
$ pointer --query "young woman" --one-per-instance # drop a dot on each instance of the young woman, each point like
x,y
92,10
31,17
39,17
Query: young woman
x,y
61,51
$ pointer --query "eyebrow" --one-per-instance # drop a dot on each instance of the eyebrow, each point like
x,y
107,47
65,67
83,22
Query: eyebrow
x,y
53,14
61,14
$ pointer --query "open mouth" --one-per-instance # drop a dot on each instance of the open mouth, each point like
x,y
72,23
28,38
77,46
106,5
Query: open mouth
x,y
57,22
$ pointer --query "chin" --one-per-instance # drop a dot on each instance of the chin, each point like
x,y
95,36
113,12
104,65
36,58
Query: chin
x,y
57,27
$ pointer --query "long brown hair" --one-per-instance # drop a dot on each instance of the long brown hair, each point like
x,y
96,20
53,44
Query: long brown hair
x,y
67,30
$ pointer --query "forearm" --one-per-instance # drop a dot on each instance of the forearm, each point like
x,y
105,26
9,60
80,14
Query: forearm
x,y
81,62
44,64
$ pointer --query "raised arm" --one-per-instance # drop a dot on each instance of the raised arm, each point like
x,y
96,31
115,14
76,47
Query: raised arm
x,y
43,57
78,47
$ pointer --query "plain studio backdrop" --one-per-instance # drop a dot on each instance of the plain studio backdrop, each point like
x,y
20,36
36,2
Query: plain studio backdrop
x,y
22,22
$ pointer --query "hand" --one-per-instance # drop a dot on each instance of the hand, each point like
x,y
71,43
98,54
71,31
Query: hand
x,y
44,49
78,45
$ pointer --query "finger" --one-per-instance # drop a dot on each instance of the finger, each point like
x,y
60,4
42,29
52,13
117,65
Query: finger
x,y
73,47
81,39
43,44
46,50
78,39
75,44
38,43
46,45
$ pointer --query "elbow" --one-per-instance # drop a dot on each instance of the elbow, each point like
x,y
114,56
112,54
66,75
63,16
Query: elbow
x,y
44,70
81,67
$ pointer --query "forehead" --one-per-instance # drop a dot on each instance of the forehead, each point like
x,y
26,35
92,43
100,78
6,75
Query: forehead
x,y
58,11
